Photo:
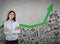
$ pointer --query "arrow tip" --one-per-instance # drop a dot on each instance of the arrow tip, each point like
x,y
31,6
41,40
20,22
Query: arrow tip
x,y
50,8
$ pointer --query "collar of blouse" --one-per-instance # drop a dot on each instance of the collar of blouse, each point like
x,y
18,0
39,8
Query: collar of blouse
x,y
11,21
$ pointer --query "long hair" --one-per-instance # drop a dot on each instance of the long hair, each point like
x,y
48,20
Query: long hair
x,y
14,15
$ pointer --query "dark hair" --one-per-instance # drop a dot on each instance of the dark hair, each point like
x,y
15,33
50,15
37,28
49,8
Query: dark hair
x,y
14,15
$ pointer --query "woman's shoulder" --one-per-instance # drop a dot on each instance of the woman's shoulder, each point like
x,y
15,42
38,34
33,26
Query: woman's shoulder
x,y
16,22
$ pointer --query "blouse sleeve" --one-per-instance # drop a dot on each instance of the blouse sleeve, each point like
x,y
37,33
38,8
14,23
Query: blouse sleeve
x,y
17,31
5,26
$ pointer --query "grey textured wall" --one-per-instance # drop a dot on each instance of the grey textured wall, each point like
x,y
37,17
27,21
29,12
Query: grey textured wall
x,y
31,12
28,11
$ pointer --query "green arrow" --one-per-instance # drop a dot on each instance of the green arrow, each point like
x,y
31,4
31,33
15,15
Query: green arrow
x,y
50,9
1,26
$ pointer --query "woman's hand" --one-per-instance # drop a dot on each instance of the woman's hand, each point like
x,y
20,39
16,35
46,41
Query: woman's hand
x,y
17,28
7,30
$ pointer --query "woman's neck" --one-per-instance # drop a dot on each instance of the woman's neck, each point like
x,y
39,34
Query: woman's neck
x,y
10,19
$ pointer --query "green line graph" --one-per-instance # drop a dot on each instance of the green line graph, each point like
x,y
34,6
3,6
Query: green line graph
x,y
49,10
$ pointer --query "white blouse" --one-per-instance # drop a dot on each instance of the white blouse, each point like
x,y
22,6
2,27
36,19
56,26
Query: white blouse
x,y
11,25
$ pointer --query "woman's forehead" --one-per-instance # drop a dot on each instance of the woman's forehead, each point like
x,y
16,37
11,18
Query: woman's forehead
x,y
11,13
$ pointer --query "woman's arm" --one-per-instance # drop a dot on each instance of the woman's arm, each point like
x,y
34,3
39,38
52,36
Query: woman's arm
x,y
17,30
7,31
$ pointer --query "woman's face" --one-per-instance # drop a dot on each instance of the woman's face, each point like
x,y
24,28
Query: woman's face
x,y
11,15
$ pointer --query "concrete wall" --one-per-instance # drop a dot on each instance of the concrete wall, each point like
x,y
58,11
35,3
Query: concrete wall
x,y
1,12
31,12
28,11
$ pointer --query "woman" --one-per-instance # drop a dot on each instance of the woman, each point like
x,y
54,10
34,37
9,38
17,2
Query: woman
x,y
11,29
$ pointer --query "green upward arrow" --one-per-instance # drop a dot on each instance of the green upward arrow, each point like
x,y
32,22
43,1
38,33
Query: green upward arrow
x,y
1,27
50,9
